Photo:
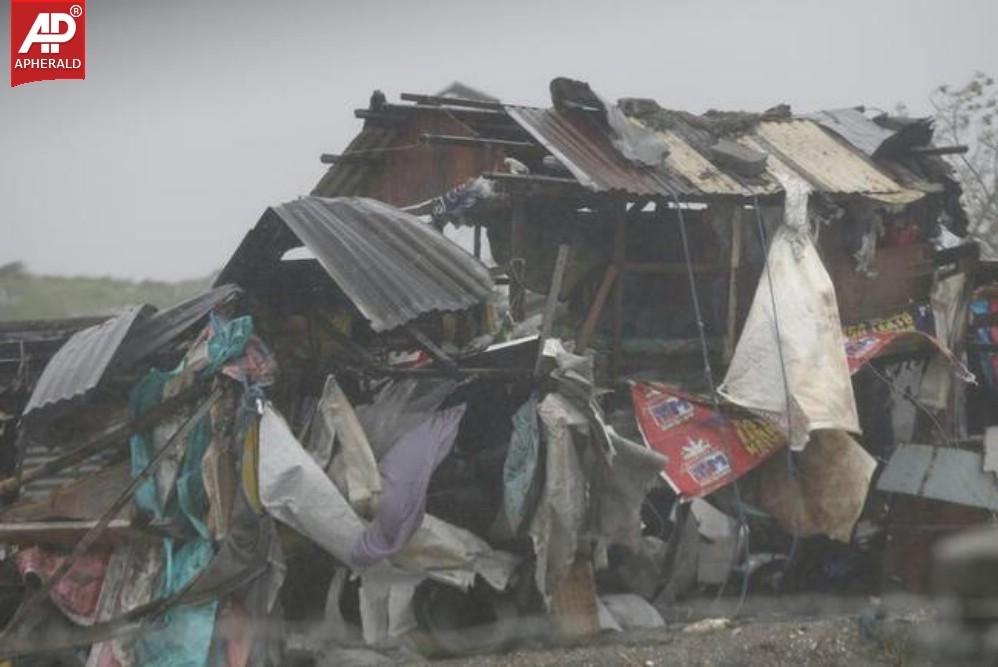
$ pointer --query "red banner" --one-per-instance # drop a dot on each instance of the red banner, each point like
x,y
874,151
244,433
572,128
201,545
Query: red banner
x,y
704,450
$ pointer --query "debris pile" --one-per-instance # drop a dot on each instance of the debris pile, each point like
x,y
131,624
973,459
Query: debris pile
x,y
732,353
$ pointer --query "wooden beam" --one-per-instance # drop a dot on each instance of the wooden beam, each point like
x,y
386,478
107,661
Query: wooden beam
x,y
940,150
450,101
451,140
735,261
110,437
531,179
617,212
596,309
498,373
547,320
94,532
672,268
517,245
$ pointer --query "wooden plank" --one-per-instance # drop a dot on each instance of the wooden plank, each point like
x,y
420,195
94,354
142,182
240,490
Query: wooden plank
x,y
619,259
68,533
453,140
518,231
672,268
94,533
107,439
596,309
450,101
547,319
735,262
573,602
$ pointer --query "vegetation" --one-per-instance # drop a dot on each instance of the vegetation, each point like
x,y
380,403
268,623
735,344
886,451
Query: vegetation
x,y
968,114
27,296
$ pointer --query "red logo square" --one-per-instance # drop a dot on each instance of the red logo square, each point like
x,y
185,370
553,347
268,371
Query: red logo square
x,y
47,40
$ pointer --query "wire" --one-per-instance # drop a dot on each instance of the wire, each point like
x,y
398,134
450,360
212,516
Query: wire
x,y
709,375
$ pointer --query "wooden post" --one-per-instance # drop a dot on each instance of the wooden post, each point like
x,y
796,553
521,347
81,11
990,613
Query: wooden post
x,y
735,262
478,241
617,214
552,302
596,309
518,245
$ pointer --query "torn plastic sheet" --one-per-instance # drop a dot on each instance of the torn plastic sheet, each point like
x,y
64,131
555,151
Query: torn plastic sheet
x,y
790,364
296,491
561,511
703,450
183,639
386,610
77,594
438,551
619,489
353,467
825,492
453,555
720,543
299,494
399,407
521,462
133,576
405,477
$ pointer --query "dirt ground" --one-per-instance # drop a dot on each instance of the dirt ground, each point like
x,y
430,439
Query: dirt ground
x,y
846,633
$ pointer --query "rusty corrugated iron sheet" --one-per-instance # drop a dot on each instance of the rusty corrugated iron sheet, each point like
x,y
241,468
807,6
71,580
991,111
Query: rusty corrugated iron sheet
x,y
707,177
587,152
390,264
827,163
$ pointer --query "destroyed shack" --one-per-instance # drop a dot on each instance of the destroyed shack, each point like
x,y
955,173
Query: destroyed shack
x,y
732,353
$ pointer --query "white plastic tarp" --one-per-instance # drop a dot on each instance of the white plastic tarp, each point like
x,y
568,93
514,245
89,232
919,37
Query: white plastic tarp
x,y
824,492
808,387
297,492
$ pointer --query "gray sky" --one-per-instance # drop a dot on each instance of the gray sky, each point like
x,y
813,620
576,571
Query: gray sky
x,y
197,115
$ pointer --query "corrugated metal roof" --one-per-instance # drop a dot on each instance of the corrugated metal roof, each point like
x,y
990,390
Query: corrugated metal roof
x,y
153,333
853,126
800,146
708,177
391,265
586,151
827,163
79,365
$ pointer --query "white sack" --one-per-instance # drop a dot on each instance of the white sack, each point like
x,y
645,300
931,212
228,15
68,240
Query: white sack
x,y
817,374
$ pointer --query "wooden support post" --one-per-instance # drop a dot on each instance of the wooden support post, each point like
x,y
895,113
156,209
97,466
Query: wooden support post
x,y
554,292
596,309
735,262
517,244
478,241
617,213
